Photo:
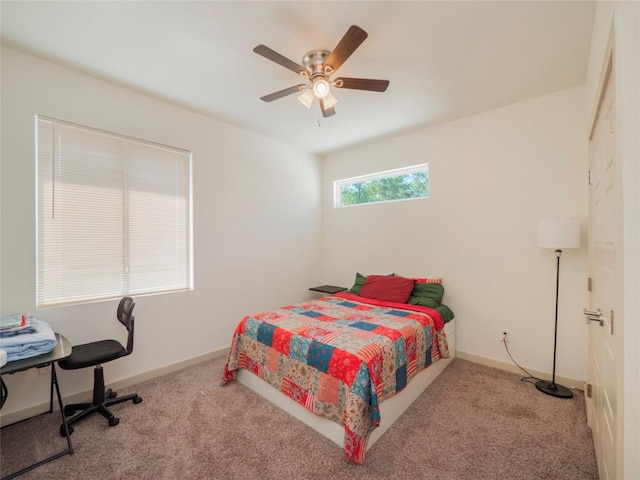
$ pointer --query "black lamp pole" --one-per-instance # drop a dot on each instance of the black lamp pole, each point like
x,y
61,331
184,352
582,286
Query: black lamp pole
x,y
551,388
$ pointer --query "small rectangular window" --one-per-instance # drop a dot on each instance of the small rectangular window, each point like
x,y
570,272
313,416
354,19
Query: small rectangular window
x,y
391,185
113,215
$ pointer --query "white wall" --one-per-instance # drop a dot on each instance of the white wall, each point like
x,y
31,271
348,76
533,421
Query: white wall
x,y
625,19
491,177
257,223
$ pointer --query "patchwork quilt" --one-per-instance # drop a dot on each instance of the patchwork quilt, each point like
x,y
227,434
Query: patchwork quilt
x,y
339,356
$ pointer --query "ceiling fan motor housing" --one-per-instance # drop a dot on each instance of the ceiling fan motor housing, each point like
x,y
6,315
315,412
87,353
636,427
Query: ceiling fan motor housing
x,y
314,61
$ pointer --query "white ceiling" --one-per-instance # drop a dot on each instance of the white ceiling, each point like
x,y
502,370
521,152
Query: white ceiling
x,y
444,59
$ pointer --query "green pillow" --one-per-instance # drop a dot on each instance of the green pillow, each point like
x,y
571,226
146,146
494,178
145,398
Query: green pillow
x,y
427,295
357,286
446,313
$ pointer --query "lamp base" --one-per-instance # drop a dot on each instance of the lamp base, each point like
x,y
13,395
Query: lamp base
x,y
554,389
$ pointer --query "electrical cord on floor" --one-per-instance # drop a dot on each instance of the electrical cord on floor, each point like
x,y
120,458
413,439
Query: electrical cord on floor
x,y
523,379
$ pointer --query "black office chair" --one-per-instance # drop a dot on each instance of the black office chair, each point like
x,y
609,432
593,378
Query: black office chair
x,y
95,354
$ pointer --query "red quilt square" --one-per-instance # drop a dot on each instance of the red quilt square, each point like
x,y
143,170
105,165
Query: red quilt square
x,y
294,391
269,317
273,360
328,389
390,333
281,340
369,352
315,333
411,348
412,367
424,320
408,331
244,361
344,366
363,307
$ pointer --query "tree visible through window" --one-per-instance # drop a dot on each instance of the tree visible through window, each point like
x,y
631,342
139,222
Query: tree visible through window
x,y
400,184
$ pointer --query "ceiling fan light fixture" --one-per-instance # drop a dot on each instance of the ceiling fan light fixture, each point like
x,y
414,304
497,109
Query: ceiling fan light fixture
x,y
329,101
307,97
321,87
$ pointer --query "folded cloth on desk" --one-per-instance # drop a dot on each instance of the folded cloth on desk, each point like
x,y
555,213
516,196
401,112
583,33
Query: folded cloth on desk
x,y
16,324
12,320
3,358
43,340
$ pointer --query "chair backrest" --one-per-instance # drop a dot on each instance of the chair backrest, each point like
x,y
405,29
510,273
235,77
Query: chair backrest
x,y
125,316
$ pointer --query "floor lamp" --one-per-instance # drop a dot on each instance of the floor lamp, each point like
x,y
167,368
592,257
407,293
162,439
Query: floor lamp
x,y
557,233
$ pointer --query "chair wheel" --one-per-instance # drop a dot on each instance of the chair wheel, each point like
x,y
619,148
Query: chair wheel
x,y
63,433
137,399
114,421
112,394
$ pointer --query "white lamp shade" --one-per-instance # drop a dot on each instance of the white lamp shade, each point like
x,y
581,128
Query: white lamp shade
x,y
307,97
559,233
329,101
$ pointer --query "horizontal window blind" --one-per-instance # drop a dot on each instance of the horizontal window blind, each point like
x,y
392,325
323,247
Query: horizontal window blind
x,y
114,216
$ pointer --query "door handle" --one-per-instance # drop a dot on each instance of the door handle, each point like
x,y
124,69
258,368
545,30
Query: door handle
x,y
594,316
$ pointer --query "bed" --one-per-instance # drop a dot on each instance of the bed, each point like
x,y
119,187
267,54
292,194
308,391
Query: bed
x,y
348,364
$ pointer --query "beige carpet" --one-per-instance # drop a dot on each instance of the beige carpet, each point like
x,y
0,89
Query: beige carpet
x,y
474,422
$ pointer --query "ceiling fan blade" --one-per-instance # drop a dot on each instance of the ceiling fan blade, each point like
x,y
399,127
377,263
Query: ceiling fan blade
x,y
361,84
274,56
283,93
326,112
347,45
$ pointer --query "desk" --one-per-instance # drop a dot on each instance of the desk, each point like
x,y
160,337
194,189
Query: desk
x,y
62,350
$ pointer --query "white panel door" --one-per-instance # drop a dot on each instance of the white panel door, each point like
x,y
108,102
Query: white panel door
x,y
606,283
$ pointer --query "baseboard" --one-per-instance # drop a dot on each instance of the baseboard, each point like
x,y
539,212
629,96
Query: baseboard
x,y
20,415
509,367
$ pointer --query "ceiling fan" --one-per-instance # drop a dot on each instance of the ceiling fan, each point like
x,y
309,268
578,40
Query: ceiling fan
x,y
318,66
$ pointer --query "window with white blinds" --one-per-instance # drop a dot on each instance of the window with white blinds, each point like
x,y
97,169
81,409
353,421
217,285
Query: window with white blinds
x,y
113,215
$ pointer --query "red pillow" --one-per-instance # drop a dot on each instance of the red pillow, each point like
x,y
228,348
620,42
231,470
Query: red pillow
x,y
389,289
